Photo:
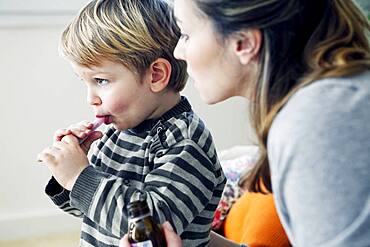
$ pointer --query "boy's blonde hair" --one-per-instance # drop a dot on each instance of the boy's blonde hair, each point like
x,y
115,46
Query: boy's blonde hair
x,y
133,32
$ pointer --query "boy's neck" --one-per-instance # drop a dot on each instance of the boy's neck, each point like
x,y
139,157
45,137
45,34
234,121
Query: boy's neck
x,y
166,101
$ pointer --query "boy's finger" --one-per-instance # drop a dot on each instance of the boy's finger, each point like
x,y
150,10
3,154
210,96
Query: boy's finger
x,y
86,123
45,158
70,139
79,131
39,158
58,135
59,145
93,136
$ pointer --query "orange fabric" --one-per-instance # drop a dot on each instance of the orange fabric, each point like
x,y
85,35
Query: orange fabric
x,y
253,220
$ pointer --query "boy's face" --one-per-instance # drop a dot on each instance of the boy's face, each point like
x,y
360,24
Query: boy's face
x,y
117,92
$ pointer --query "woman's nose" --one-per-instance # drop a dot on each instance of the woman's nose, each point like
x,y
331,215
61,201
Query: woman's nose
x,y
179,51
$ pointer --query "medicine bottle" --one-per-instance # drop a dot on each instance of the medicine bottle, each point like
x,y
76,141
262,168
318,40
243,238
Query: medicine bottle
x,y
142,229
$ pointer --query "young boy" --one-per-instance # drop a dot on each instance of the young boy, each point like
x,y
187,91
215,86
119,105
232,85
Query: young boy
x,y
122,50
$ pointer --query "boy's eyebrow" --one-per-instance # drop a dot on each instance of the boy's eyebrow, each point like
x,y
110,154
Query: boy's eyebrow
x,y
102,73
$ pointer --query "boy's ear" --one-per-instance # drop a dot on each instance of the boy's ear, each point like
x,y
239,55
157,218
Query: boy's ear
x,y
160,72
247,44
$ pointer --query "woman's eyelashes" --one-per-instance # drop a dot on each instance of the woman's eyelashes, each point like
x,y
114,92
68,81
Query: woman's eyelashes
x,y
184,36
101,82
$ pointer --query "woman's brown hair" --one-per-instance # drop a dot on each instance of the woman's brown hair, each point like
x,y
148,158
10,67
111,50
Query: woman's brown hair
x,y
303,41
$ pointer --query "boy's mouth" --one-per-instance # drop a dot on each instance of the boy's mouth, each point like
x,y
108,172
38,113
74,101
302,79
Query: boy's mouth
x,y
107,118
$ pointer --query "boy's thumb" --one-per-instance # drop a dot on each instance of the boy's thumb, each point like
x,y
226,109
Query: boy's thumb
x,y
90,139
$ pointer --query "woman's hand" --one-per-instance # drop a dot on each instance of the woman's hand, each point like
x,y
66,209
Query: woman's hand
x,y
172,239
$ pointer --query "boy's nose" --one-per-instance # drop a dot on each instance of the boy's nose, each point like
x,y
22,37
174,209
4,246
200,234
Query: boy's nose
x,y
93,99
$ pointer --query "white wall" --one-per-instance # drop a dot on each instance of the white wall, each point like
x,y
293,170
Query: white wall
x,y
39,93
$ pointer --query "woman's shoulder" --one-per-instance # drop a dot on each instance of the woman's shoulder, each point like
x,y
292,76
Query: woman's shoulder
x,y
318,145
335,87
330,90
326,100
322,115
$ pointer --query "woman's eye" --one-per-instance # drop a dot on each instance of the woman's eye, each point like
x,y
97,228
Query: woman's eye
x,y
101,82
183,36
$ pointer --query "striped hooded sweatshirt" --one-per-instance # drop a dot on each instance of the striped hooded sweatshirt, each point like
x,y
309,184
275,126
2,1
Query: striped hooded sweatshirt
x,y
172,160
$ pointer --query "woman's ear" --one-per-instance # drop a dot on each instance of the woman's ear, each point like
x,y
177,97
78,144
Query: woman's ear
x,y
247,44
159,74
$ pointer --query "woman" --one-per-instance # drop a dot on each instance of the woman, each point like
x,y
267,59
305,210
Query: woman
x,y
305,66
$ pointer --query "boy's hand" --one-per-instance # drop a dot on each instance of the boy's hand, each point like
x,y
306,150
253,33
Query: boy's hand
x,y
65,159
79,130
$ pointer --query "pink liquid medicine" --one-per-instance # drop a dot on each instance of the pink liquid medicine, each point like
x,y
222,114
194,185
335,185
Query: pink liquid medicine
x,y
97,122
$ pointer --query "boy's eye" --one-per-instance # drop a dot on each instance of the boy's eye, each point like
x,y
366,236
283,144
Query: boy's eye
x,y
101,82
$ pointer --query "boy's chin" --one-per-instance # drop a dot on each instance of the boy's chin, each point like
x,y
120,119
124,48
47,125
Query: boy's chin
x,y
120,127
117,127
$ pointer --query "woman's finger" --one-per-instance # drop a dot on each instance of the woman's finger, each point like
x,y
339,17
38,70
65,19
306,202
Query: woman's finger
x,y
172,239
124,241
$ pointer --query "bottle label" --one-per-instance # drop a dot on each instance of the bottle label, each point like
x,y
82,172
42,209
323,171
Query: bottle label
x,y
147,243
